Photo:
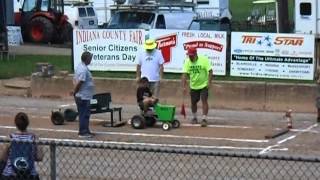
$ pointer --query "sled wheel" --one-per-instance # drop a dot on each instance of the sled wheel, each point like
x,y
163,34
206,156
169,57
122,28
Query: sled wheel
x,y
70,115
57,118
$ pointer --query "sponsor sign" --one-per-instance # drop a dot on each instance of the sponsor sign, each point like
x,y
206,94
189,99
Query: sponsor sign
x,y
118,49
14,36
173,45
270,55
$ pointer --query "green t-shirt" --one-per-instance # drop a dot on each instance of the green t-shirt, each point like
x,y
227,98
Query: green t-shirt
x,y
198,72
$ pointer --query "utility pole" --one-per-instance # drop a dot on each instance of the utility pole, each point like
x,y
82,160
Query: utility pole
x,y
3,29
283,16
2,16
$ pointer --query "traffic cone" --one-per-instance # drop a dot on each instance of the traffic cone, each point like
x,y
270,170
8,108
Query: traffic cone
x,y
288,117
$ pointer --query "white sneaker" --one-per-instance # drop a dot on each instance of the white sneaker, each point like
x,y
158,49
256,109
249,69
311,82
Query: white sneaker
x,y
204,123
86,135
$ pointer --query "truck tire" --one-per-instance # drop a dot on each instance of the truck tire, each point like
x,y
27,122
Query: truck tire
x,y
40,30
64,34
67,32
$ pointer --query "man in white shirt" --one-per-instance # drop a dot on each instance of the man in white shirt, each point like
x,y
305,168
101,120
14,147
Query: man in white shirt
x,y
83,92
150,65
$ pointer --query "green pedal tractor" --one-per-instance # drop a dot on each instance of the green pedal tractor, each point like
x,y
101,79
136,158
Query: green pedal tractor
x,y
161,113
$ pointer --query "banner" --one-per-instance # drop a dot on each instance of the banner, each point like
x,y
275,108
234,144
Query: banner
x,y
113,50
270,55
118,49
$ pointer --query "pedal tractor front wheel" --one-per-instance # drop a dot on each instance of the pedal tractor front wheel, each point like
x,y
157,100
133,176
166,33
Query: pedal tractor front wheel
x,y
138,122
166,126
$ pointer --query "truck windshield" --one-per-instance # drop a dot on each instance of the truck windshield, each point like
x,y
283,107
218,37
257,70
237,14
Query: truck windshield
x,y
29,5
208,24
127,20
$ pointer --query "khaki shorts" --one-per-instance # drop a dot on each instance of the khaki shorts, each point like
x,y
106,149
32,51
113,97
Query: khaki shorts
x,y
155,88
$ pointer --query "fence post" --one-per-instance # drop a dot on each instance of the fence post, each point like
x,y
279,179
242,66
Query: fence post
x,y
53,169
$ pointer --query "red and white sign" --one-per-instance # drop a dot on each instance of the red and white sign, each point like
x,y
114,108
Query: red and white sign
x,y
165,44
174,44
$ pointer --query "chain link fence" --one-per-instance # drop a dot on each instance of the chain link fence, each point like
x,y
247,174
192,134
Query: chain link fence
x,y
98,160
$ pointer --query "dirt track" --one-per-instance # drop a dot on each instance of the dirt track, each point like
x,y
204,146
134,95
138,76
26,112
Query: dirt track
x,y
228,130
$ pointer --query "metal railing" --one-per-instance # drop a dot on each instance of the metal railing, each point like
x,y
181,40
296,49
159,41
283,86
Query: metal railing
x,y
103,160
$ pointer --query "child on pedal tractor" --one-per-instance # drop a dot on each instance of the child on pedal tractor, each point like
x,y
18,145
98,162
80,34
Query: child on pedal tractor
x,y
144,96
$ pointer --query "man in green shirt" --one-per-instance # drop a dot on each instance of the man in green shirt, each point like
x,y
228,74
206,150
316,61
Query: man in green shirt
x,y
198,69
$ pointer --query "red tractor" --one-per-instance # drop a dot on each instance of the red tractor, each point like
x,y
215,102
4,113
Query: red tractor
x,y
43,21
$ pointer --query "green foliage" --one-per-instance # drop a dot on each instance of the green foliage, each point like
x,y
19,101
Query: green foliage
x,y
241,9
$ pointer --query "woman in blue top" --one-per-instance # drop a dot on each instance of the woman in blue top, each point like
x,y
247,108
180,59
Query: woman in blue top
x,y
21,154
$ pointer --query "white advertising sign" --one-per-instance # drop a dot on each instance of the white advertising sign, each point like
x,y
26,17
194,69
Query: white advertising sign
x,y
270,55
173,45
117,50
14,36
113,50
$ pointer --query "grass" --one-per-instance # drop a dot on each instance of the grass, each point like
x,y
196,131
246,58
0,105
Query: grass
x,y
24,65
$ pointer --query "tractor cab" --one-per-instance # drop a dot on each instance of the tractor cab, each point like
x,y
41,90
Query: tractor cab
x,y
43,21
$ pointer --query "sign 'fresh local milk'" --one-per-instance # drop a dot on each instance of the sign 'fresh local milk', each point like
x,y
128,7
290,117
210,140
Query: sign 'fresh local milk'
x,y
173,45
113,50
270,55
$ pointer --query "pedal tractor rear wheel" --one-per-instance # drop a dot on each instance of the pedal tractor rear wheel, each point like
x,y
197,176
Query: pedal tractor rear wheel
x,y
176,124
138,122
150,121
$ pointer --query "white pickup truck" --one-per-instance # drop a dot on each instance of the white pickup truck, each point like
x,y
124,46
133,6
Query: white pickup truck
x,y
81,16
